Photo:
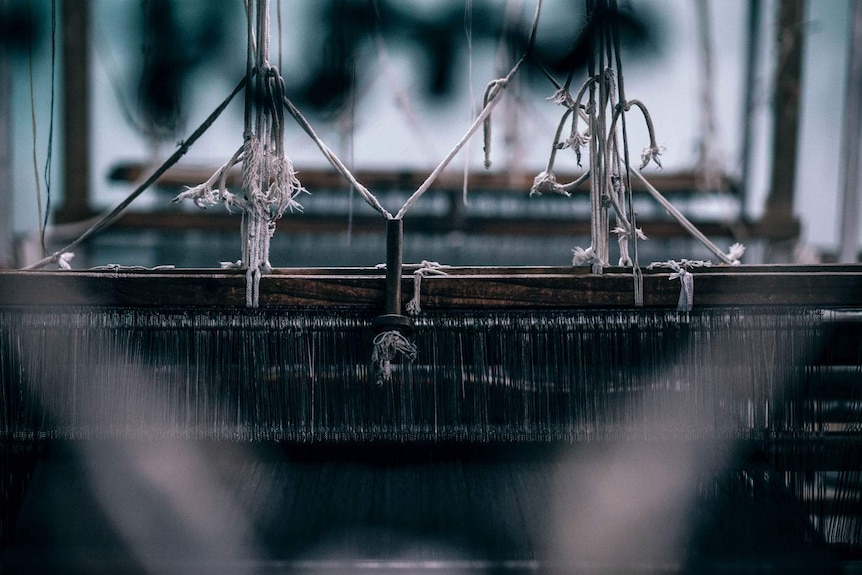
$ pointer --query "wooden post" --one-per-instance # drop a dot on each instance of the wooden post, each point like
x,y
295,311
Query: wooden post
x,y
778,213
751,63
76,111
849,245
6,227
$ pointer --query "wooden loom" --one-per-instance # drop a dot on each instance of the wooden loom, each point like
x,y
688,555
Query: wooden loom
x,y
543,420
517,368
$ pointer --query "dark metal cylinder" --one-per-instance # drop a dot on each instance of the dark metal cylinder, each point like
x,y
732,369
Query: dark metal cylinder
x,y
394,244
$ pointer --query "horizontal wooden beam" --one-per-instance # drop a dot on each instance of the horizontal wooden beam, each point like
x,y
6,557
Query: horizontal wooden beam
x,y
461,288
406,180
217,220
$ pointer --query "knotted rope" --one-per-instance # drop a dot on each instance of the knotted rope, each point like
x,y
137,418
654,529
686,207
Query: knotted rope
x,y
427,268
680,271
269,180
388,345
63,260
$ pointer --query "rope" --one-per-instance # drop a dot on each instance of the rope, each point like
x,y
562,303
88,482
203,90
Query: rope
x,y
637,275
736,250
50,152
334,161
269,180
427,268
64,259
680,271
108,218
493,99
387,346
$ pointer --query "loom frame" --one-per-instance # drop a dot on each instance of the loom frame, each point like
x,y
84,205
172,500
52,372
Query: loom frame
x,y
828,286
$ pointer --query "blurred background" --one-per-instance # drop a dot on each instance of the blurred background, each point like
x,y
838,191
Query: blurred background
x,y
95,93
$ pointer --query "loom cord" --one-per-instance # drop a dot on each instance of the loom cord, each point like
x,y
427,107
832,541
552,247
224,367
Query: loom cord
x,y
334,161
108,218
684,222
493,99
479,121
637,275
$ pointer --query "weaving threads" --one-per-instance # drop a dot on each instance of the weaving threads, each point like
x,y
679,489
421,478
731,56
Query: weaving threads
x,y
519,376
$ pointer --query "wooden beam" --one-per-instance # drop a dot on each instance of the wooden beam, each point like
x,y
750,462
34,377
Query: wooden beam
x,y
218,220
377,180
461,288
6,221
76,18
788,93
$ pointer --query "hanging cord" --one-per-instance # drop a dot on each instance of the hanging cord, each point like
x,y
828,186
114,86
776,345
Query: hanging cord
x,y
278,25
426,268
269,180
512,12
546,181
736,250
108,218
681,271
599,193
637,274
493,98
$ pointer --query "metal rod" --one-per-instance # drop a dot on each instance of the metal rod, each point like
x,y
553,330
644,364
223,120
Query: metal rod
x,y
394,260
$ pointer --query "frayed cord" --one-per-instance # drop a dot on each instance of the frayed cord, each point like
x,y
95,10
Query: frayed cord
x,y
427,268
387,346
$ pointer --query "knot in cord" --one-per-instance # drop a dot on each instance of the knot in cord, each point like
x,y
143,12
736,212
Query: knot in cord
x,y
63,260
387,346
546,182
680,271
427,268
581,256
